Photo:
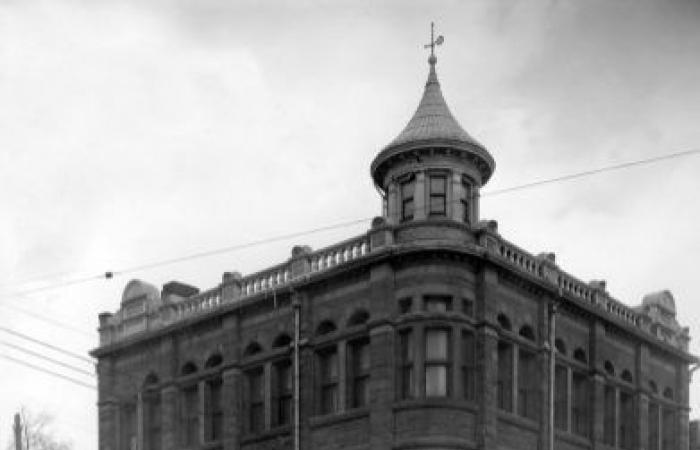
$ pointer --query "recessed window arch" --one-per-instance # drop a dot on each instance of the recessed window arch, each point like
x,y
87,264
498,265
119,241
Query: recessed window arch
x,y
282,340
626,376
609,368
580,355
252,349
668,393
504,322
560,346
653,387
150,380
188,368
527,332
325,327
214,360
359,317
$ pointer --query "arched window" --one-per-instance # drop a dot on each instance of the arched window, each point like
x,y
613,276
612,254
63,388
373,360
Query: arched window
x,y
359,317
325,327
150,380
189,368
580,355
214,360
668,393
282,341
609,368
527,332
652,387
626,376
560,346
504,321
252,349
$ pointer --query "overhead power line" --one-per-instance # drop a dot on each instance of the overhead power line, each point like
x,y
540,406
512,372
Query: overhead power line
x,y
47,371
46,344
586,173
49,320
228,249
46,358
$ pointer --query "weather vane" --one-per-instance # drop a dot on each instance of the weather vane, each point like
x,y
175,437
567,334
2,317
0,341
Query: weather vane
x,y
433,41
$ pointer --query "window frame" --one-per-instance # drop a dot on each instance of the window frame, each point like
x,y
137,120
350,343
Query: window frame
x,y
436,362
406,199
406,360
328,386
255,407
358,376
439,196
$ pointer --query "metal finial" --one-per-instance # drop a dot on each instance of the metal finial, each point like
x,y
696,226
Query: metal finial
x,y
433,42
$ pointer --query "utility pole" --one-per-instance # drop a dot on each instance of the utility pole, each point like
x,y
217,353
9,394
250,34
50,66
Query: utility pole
x,y
18,432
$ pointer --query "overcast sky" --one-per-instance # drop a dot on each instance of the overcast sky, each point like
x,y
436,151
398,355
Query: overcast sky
x,y
137,131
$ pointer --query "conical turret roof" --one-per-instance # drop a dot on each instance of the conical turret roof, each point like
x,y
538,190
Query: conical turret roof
x,y
433,125
433,119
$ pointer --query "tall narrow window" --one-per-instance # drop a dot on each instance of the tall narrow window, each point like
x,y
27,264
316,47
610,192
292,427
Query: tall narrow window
x,y
190,415
653,426
469,365
505,376
669,430
153,421
561,397
407,192
627,415
580,410
437,362
438,195
214,414
466,201
283,393
256,400
359,375
328,365
528,397
406,364
609,415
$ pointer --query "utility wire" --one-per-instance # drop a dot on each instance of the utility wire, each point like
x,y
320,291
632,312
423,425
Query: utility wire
x,y
228,249
46,358
46,344
587,173
49,320
47,371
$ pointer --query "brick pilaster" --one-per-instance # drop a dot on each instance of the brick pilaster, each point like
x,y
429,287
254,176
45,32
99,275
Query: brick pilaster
x,y
107,411
231,394
381,388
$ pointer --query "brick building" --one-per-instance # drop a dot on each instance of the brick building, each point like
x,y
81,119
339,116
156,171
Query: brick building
x,y
429,331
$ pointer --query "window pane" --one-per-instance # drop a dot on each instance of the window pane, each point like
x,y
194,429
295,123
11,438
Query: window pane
x,y
436,381
580,409
407,189
407,212
561,382
437,204
329,366
436,344
361,358
437,185
406,346
653,426
505,376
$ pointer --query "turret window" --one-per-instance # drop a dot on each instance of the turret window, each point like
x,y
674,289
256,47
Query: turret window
x,y
438,195
407,206
466,201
